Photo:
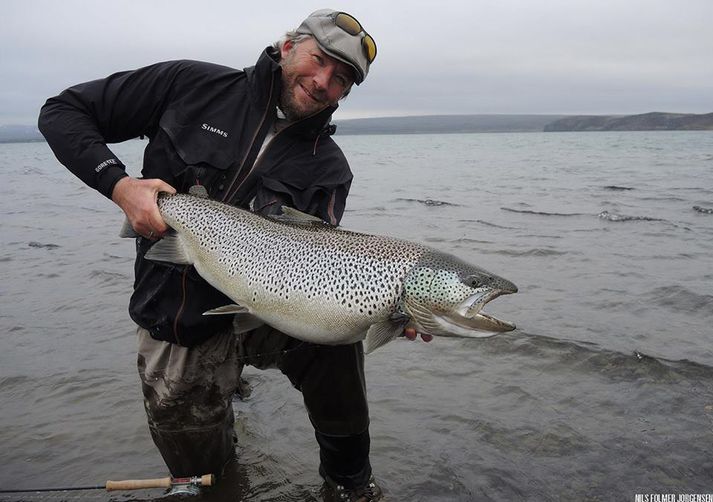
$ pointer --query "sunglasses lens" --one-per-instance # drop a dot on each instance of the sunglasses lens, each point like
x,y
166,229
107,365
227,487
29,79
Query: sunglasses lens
x,y
352,26
370,47
348,23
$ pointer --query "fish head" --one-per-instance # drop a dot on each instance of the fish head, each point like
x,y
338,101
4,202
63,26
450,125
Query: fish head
x,y
445,296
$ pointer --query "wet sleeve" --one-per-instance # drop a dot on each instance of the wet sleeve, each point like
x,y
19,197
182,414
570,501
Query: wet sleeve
x,y
332,200
79,122
326,203
327,197
332,207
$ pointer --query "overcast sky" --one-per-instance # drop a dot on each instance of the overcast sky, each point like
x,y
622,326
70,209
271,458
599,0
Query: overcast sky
x,y
445,57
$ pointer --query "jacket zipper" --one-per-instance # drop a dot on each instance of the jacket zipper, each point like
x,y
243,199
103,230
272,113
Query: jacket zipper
x,y
229,193
225,199
259,160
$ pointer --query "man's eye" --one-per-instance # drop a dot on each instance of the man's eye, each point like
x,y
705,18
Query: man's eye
x,y
317,58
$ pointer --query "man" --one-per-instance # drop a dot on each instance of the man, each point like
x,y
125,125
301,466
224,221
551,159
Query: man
x,y
259,139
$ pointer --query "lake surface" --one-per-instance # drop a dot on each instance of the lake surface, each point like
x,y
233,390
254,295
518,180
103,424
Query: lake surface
x,y
604,391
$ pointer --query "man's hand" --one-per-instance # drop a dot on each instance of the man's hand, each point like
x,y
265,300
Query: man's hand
x,y
137,198
411,334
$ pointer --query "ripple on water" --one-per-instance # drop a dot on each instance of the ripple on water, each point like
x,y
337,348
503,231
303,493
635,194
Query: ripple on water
x,y
679,298
430,202
107,277
535,253
617,188
703,210
606,215
41,245
540,213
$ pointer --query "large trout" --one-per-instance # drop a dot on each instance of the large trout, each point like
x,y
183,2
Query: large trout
x,y
325,285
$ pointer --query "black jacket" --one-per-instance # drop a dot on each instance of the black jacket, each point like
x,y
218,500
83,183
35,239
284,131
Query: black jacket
x,y
205,124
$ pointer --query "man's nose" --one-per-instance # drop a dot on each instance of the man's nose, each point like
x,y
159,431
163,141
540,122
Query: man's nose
x,y
322,78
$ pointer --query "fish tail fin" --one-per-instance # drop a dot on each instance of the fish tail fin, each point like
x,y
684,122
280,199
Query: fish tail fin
x,y
127,230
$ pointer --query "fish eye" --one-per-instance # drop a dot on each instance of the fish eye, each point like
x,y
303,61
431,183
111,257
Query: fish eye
x,y
475,281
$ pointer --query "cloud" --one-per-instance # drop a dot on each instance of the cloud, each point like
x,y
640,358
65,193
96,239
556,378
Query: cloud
x,y
490,56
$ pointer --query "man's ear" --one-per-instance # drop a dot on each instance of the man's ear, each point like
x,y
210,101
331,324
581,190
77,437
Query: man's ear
x,y
286,48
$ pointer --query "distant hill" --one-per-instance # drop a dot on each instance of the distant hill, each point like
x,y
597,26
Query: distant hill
x,y
19,133
654,121
448,124
439,124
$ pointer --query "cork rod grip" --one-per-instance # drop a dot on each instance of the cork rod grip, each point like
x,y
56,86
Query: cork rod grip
x,y
137,484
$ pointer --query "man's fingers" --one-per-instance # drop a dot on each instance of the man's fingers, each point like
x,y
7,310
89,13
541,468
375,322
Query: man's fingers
x,y
162,186
137,198
156,223
157,226
411,334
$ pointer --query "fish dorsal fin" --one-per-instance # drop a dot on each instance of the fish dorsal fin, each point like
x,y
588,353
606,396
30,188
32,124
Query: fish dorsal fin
x,y
296,217
169,249
382,333
198,191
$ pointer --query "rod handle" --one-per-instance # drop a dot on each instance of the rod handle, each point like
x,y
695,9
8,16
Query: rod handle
x,y
137,484
207,480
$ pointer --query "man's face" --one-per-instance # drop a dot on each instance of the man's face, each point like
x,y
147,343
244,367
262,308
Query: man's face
x,y
311,80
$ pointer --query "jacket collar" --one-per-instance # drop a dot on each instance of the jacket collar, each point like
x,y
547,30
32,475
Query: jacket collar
x,y
265,82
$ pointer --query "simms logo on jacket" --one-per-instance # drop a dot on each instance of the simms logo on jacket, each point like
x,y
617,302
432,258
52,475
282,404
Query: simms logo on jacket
x,y
214,129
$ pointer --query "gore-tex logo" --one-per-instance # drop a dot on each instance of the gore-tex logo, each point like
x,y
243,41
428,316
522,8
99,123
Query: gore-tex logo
x,y
107,162
215,130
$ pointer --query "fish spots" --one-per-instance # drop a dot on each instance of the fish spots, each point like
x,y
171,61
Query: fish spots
x,y
312,267
313,274
441,282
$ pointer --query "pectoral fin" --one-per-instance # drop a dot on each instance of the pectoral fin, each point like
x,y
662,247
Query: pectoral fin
x,y
169,249
244,320
198,191
382,333
422,317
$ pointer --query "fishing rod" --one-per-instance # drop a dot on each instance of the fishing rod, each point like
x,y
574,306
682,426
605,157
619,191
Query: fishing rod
x,y
133,484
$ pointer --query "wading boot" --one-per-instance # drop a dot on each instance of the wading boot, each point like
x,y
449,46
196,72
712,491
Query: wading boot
x,y
334,492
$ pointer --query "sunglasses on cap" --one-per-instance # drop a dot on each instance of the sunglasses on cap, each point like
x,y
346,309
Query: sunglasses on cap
x,y
349,24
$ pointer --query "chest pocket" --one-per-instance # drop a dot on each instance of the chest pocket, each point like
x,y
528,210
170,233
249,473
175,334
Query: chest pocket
x,y
204,152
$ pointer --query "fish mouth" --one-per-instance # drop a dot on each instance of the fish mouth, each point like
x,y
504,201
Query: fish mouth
x,y
487,323
465,319
470,321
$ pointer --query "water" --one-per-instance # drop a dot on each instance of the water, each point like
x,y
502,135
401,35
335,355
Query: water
x,y
604,391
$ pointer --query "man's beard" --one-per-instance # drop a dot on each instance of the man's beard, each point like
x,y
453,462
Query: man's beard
x,y
289,104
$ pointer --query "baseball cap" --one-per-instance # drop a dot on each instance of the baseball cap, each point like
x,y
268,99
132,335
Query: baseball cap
x,y
341,36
